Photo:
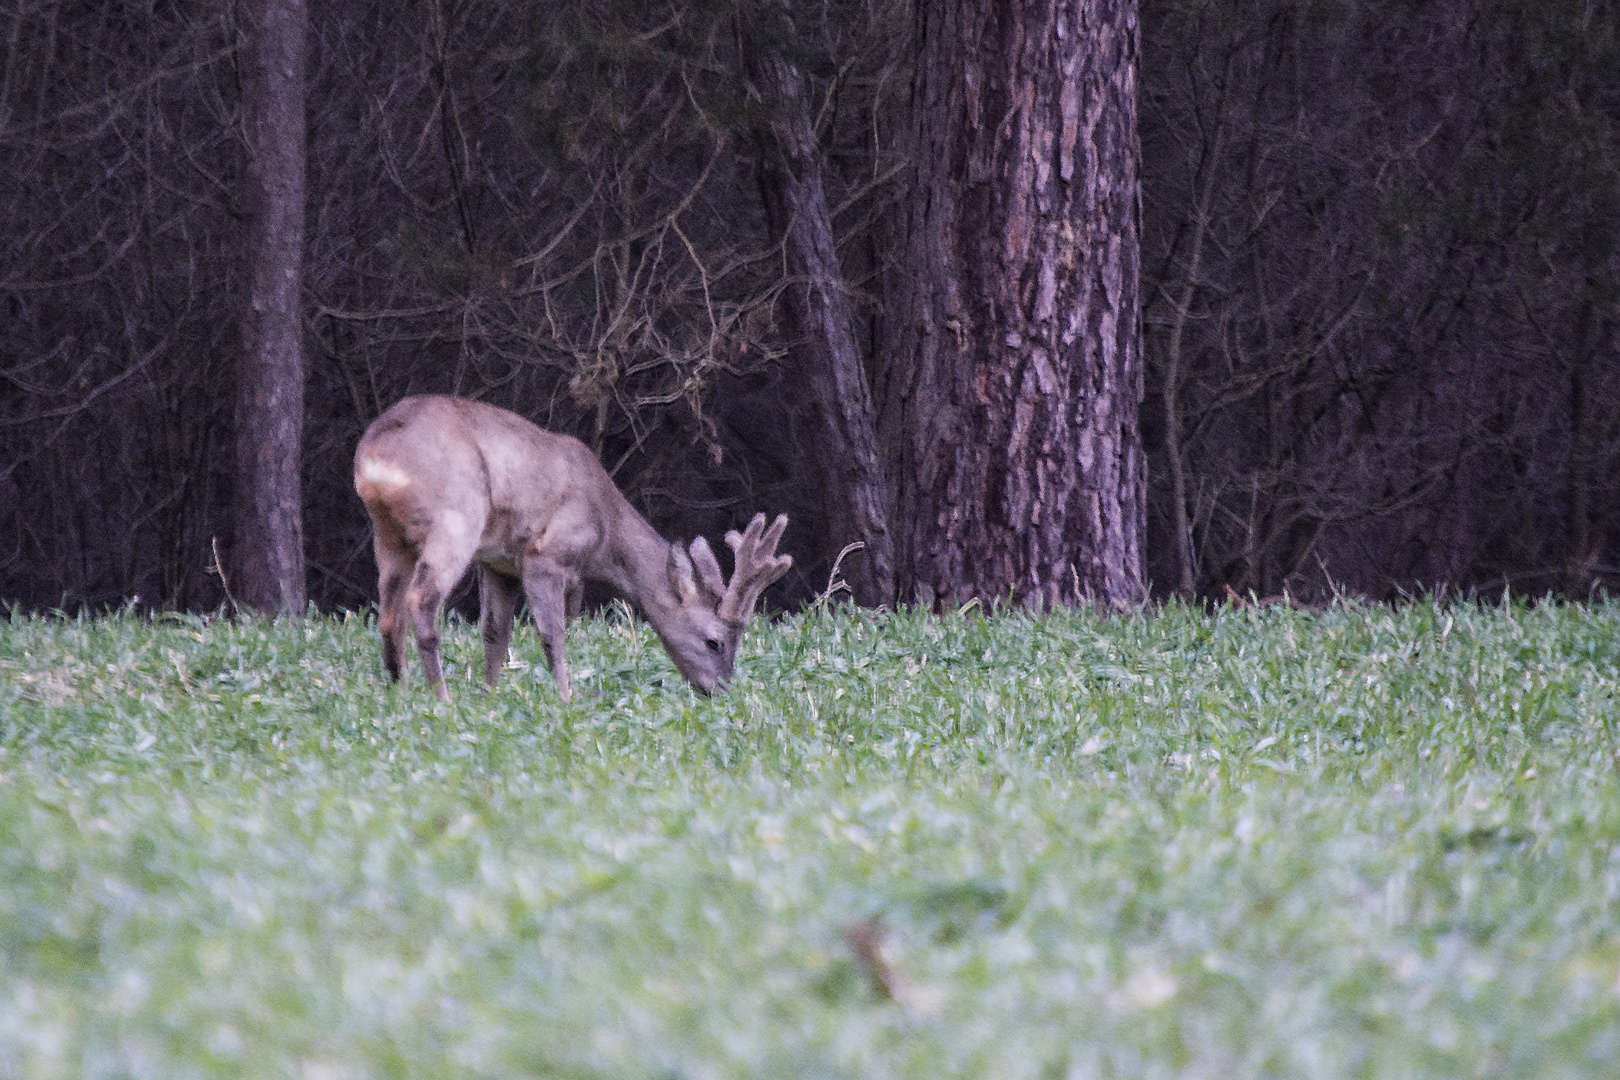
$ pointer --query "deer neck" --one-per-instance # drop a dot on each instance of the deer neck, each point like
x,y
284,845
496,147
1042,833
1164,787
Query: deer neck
x,y
638,564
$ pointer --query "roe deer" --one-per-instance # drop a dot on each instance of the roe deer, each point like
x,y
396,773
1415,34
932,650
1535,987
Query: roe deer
x,y
449,481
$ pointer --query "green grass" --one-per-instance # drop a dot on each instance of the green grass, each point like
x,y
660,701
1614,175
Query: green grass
x,y
1358,843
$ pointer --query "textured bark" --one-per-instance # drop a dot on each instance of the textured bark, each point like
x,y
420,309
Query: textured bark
x,y
1580,556
825,358
269,541
1009,408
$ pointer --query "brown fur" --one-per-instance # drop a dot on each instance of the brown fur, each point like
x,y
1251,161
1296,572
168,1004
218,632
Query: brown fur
x,y
449,482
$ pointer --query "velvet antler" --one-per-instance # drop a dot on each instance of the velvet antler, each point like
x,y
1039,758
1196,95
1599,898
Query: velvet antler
x,y
755,565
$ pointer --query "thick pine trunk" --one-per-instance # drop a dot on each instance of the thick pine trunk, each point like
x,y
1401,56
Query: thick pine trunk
x,y
1014,370
269,540
825,358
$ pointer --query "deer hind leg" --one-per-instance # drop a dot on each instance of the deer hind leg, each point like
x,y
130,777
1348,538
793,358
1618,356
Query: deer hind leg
x,y
497,604
394,569
547,585
442,562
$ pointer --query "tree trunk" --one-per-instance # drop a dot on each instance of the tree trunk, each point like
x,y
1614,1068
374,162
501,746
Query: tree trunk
x,y
269,541
1580,557
825,358
1009,407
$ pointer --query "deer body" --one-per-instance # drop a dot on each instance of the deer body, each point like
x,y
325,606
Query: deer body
x,y
449,482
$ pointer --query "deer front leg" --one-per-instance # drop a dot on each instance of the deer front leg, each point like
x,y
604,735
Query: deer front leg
x,y
497,603
547,584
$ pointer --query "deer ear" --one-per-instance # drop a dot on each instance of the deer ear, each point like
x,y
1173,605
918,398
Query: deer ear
x,y
708,570
680,574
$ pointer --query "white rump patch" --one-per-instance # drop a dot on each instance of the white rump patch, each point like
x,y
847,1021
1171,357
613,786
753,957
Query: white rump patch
x,y
377,477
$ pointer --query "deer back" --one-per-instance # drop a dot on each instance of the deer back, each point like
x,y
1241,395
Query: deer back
x,y
436,464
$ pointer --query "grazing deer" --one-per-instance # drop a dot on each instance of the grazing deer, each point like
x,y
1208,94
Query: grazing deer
x,y
448,482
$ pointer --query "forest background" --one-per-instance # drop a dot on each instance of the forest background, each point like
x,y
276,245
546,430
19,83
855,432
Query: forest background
x,y
1379,276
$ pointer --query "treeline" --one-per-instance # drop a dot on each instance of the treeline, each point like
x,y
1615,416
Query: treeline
x,y
1380,247
1382,295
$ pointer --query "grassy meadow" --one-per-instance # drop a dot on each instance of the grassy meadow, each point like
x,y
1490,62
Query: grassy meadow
x,y
1360,842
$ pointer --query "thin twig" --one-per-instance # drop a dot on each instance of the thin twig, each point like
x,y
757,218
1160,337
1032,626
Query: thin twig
x,y
836,584
219,568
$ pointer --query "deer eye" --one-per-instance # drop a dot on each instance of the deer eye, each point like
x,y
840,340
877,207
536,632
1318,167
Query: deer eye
x,y
714,646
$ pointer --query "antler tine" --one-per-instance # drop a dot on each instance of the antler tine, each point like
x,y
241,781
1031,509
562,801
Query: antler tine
x,y
756,566
708,570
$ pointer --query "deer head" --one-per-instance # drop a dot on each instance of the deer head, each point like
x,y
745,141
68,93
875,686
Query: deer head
x,y
703,632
